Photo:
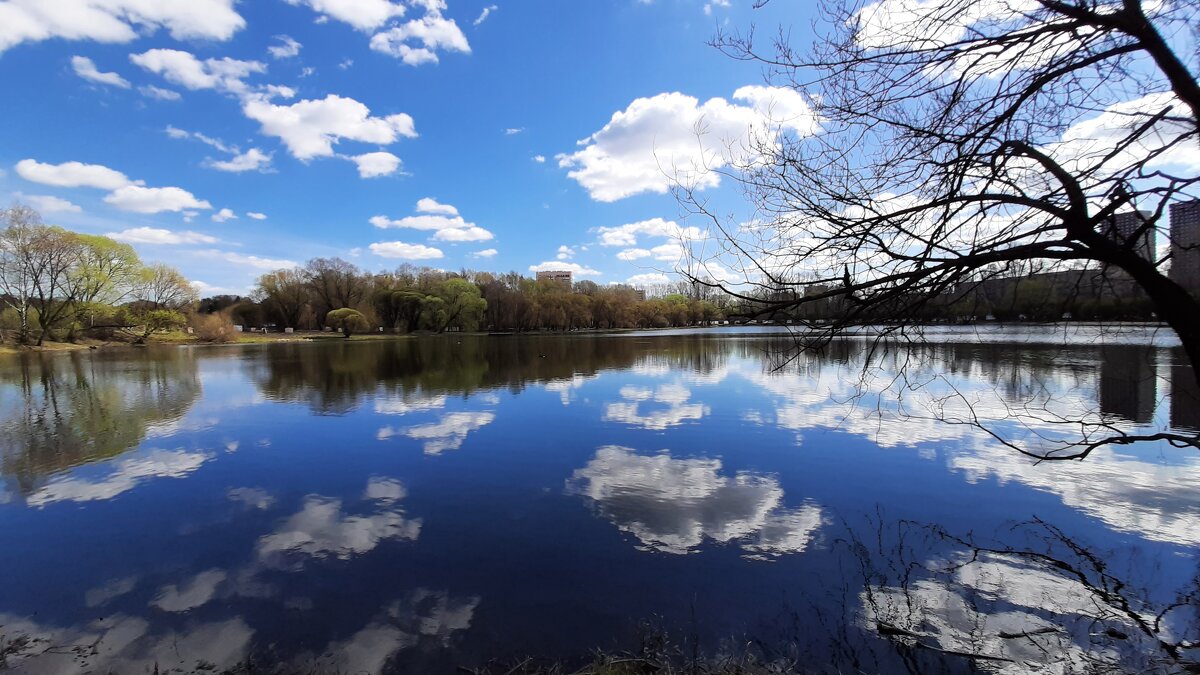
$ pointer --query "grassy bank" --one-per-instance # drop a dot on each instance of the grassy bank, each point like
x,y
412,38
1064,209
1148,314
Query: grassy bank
x,y
9,348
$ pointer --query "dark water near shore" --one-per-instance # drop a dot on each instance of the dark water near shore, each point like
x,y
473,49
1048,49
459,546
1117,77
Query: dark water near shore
x,y
424,504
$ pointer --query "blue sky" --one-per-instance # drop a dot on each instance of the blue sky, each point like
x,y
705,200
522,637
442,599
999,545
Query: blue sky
x,y
381,131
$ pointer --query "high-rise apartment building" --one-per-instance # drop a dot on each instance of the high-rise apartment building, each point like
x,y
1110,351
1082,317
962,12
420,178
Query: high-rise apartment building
x,y
1123,228
1185,244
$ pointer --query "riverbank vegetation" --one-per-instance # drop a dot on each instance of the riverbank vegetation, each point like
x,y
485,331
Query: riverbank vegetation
x,y
58,285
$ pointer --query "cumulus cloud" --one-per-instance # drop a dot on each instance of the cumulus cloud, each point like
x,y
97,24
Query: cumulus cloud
x,y
404,251
124,194
309,128
557,265
633,254
154,235
450,431
182,68
672,505
441,219
256,215
85,68
362,14
431,205
417,42
250,160
224,215
658,141
540,159
48,203
321,530
565,252
376,164
627,234
71,174
115,21
139,199
667,406
485,253
648,279
286,49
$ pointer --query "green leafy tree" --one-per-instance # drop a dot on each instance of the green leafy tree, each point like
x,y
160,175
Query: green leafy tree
x,y
464,305
347,320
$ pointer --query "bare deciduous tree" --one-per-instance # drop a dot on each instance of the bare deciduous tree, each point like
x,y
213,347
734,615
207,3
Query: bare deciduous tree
x,y
963,141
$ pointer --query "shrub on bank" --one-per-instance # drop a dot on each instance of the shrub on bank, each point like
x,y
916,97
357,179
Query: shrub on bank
x,y
215,328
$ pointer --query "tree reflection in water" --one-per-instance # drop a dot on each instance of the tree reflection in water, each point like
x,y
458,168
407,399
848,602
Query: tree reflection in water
x,y
60,411
1049,605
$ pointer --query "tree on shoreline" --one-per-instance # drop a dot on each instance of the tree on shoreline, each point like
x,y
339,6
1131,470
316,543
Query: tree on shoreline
x,y
58,278
964,141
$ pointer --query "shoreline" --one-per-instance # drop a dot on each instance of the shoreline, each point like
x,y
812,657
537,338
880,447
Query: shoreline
x,y
185,340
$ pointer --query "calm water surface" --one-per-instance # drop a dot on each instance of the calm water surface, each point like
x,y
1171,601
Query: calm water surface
x,y
424,504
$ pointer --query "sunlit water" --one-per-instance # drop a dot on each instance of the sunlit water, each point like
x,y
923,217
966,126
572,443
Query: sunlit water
x,y
426,504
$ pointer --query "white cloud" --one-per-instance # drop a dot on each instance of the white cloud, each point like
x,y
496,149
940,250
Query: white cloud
x,y
473,233
513,131
115,21
633,254
432,32
672,505
431,205
125,194
85,68
450,431
627,234
540,159
376,164
403,251
151,91
671,137
71,174
252,261
256,215
485,253
565,252
224,215
48,203
287,48
250,160
483,16
177,133
154,235
320,530
671,252
647,279
140,199
194,593
674,397
708,6
182,68
309,128
445,227
362,14
556,265
123,475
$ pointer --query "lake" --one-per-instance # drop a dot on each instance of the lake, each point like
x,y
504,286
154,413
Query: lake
x,y
428,504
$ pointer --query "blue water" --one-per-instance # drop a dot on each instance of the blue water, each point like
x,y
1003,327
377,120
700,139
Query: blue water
x,y
426,504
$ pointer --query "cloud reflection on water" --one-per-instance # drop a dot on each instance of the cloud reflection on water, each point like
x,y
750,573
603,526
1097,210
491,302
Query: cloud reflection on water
x,y
672,505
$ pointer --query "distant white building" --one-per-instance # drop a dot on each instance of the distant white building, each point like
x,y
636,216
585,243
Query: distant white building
x,y
561,276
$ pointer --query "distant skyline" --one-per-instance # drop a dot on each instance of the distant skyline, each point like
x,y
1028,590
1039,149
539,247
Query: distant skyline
x,y
231,138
